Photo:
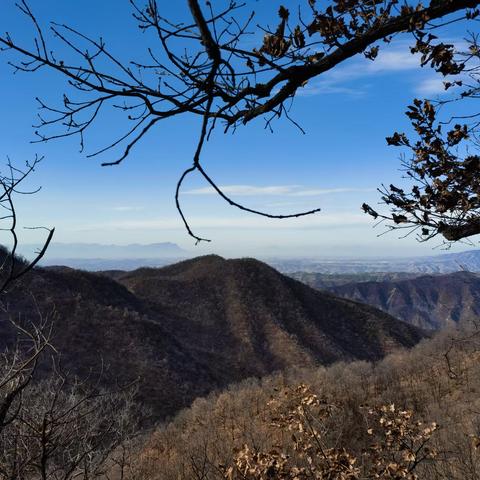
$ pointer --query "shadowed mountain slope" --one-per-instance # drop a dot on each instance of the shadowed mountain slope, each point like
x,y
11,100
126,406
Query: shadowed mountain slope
x,y
430,302
253,320
326,281
102,330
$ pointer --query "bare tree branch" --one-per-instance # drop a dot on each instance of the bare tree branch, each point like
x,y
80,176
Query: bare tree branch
x,y
204,67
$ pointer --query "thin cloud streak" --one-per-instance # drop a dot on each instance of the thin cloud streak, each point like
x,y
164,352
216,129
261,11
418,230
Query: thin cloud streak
x,y
311,222
127,209
328,191
276,190
436,85
327,87
431,86
388,61
244,190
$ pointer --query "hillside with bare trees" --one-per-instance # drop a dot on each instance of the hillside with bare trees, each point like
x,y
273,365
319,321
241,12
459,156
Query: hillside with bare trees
x,y
413,415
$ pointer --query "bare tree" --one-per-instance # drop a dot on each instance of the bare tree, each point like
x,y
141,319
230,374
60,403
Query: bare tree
x,y
12,266
65,429
204,66
54,426
18,365
19,362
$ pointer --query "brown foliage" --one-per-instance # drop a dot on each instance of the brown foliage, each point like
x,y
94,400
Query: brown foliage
x,y
359,420
444,163
398,444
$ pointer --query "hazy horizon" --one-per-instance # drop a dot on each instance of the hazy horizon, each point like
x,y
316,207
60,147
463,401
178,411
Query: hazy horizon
x,y
172,251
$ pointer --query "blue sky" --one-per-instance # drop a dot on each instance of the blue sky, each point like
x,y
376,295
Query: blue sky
x,y
336,166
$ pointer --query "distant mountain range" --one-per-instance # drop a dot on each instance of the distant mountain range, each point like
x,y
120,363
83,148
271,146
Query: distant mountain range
x,y
443,263
427,301
111,252
198,325
102,264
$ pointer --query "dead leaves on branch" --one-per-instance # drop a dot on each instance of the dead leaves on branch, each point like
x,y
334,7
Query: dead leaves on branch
x,y
399,444
342,21
440,56
445,197
345,20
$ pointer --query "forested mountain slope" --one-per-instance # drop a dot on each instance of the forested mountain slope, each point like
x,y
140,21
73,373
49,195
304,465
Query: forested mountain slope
x,y
430,302
196,326
254,318
437,381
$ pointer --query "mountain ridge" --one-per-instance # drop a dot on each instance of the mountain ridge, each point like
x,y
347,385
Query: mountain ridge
x,y
198,325
232,285
430,302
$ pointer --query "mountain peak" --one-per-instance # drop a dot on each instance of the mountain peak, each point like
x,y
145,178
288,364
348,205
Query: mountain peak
x,y
250,303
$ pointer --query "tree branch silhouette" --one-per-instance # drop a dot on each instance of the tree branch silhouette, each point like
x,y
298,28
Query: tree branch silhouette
x,y
205,67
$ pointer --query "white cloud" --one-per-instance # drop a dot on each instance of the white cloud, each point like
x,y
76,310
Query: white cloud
x,y
328,191
277,190
289,204
393,61
127,209
329,88
389,60
431,86
436,86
